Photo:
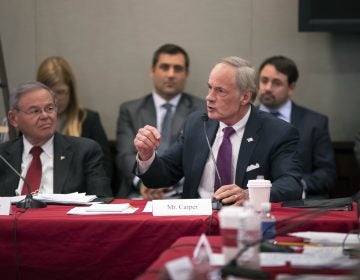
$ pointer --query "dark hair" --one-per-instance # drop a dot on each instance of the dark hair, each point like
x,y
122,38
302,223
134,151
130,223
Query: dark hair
x,y
284,65
170,49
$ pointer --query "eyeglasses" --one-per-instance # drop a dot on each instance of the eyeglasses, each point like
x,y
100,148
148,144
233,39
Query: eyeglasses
x,y
36,111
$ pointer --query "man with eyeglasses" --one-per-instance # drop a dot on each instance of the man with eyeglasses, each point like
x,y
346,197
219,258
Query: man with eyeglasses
x,y
67,164
260,145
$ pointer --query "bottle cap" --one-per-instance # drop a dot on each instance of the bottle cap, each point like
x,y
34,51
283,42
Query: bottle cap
x,y
265,206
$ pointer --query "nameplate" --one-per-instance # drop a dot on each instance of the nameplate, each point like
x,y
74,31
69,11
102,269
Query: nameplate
x,y
181,207
5,206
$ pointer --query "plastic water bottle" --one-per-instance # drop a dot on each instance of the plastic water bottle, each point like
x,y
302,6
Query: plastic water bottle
x,y
249,235
268,222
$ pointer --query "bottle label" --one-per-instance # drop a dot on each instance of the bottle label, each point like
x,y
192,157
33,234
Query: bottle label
x,y
268,229
229,236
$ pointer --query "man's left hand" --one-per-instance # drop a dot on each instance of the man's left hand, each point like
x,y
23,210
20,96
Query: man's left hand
x,y
231,194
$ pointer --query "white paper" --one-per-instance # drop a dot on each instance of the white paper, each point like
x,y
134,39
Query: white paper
x,y
312,257
180,268
108,207
82,211
5,206
69,198
328,238
181,207
148,207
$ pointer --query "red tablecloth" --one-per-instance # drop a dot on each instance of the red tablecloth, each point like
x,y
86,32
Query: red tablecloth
x,y
49,244
184,246
54,245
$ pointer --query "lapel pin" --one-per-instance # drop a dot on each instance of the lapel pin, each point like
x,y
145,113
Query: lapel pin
x,y
250,139
62,157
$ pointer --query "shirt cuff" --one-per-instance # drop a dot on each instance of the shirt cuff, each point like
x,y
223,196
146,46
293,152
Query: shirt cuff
x,y
143,165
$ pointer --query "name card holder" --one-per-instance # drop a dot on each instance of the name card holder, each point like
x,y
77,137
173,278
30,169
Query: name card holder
x,y
182,207
5,206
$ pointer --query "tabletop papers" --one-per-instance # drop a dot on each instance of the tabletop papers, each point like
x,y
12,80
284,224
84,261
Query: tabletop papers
x,y
59,198
98,209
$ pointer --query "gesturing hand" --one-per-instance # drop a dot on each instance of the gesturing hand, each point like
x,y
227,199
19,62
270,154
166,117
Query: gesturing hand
x,y
146,141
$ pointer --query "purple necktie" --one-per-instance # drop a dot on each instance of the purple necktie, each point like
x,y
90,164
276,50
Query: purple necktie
x,y
34,173
224,159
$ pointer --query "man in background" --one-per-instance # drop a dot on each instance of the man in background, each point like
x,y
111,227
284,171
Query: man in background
x,y
49,162
277,82
166,108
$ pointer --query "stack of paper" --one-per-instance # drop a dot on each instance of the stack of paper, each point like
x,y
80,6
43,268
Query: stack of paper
x,y
69,198
58,198
98,209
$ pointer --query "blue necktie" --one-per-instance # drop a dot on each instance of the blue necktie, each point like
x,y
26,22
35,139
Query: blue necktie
x,y
166,129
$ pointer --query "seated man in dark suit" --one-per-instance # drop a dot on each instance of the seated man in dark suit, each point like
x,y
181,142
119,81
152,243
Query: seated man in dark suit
x,y
260,144
66,164
169,72
277,81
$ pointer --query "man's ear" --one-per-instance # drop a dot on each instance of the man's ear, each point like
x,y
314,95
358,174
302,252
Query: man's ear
x,y
12,119
246,97
292,87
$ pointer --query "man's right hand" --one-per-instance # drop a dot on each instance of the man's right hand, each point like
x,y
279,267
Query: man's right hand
x,y
150,194
146,141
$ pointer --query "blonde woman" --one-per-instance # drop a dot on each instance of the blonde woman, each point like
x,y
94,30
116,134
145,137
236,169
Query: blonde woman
x,y
73,120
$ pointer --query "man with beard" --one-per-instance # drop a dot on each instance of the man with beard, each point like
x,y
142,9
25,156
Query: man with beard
x,y
277,82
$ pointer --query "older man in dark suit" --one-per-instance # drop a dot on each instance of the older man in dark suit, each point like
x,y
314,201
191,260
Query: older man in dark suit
x,y
169,71
64,164
260,144
277,81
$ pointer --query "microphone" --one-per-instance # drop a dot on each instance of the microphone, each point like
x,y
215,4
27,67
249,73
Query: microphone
x,y
216,204
28,201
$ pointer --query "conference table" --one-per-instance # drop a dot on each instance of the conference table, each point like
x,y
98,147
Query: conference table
x,y
48,243
185,246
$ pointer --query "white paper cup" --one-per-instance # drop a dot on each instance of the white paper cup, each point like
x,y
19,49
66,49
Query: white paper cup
x,y
229,224
259,192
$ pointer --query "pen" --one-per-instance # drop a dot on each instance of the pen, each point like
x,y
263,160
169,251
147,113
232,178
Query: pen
x,y
298,244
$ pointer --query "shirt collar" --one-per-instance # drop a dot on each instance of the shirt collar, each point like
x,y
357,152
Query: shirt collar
x,y
240,125
48,147
159,101
284,110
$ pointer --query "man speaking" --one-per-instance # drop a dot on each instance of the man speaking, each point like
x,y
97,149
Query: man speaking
x,y
245,142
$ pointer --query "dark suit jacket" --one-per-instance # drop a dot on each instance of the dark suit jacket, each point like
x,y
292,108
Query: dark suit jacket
x,y
269,142
78,166
316,151
136,114
93,129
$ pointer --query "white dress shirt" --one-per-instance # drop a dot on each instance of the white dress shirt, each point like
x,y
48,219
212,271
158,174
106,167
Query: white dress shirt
x,y
206,187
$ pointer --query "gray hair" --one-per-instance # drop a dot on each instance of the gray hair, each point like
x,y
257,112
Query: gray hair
x,y
246,74
26,87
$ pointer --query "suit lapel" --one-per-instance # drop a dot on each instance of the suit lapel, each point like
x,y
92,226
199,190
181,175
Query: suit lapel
x,y
296,115
147,113
183,109
62,161
14,154
202,153
248,144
